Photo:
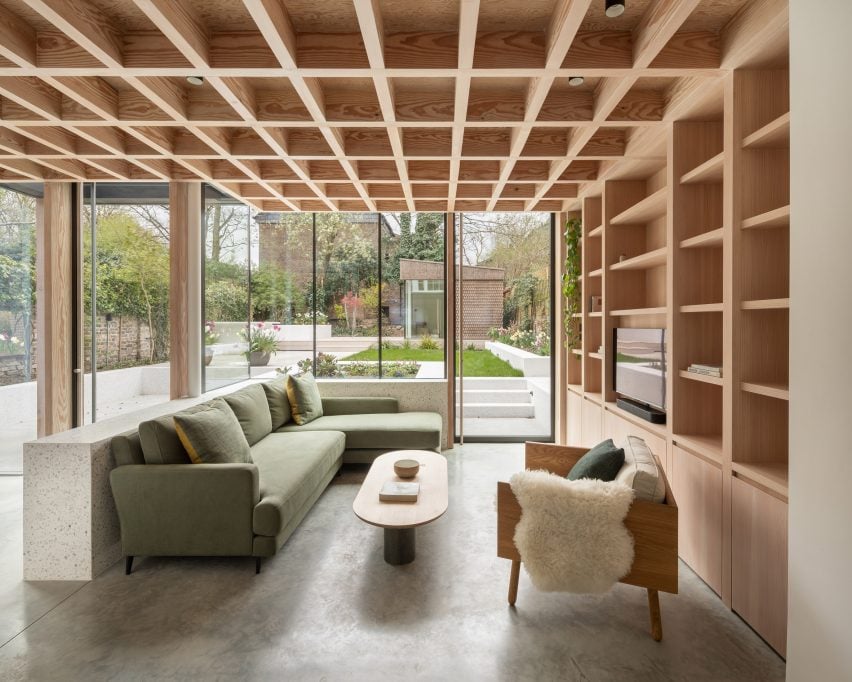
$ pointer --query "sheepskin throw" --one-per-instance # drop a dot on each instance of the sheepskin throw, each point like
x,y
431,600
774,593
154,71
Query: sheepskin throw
x,y
571,535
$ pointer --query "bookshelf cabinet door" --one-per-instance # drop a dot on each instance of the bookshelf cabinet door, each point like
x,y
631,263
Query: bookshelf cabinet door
x,y
697,486
592,426
575,419
759,561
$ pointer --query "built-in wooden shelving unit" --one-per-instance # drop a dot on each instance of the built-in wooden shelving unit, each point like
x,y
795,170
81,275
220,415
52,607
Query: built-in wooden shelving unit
x,y
698,242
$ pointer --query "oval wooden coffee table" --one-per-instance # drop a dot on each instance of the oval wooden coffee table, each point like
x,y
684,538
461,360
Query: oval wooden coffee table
x,y
400,519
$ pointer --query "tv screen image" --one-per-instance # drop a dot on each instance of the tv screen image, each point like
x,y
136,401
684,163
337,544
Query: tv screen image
x,y
640,365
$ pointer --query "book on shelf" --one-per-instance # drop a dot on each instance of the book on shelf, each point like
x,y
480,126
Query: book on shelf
x,y
397,491
708,370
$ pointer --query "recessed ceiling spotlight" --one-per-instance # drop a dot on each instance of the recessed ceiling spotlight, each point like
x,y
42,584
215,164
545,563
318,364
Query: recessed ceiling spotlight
x,y
574,81
195,80
614,8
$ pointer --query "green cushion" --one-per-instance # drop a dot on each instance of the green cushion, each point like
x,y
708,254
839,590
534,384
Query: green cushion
x,y
291,467
127,449
252,411
160,442
397,431
213,435
602,462
304,396
279,404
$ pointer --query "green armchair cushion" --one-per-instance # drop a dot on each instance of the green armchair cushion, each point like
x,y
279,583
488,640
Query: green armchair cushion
x,y
213,435
304,396
251,409
279,403
602,462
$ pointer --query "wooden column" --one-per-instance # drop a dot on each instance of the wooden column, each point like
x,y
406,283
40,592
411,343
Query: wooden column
x,y
185,216
54,311
450,331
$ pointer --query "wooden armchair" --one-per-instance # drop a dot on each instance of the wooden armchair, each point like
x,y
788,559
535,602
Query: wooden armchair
x,y
653,526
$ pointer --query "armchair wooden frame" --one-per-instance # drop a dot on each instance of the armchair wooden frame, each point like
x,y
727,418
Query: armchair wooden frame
x,y
653,526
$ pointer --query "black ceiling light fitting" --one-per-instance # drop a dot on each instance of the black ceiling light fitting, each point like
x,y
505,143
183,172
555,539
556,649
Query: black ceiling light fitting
x,y
574,81
614,8
195,80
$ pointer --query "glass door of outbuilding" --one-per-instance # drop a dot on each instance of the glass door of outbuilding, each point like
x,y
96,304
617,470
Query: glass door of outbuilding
x,y
504,317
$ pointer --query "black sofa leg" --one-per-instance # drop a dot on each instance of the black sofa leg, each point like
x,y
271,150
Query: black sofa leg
x,y
256,565
128,565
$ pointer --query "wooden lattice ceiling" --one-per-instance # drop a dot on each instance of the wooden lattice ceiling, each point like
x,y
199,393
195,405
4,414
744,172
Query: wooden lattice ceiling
x,y
354,105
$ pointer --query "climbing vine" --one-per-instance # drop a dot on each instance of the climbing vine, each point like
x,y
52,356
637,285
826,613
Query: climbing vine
x,y
572,282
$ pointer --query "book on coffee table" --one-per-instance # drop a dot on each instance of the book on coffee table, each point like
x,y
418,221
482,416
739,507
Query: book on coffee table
x,y
396,491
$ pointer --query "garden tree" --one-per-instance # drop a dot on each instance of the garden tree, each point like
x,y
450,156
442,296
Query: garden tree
x,y
425,242
272,294
132,276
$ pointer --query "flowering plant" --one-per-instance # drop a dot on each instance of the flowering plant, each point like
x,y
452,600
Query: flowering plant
x,y
525,339
211,336
307,317
12,345
261,339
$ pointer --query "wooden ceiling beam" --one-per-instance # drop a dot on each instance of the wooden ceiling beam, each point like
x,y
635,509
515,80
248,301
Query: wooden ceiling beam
x,y
757,24
17,39
86,25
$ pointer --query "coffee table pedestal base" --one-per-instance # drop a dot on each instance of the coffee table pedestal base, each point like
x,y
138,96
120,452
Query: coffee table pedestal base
x,y
399,546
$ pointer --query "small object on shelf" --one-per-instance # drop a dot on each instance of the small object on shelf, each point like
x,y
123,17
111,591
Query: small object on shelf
x,y
600,349
595,304
396,491
622,257
406,468
709,370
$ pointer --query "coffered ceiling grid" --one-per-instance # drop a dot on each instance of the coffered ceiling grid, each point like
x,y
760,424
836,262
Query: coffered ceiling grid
x,y
361,104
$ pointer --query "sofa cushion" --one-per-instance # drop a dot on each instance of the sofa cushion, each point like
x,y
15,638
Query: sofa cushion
x,y
160,442
602,462
304,396
400,430
640,471
291,466
252,412
213,435
334,406
279,403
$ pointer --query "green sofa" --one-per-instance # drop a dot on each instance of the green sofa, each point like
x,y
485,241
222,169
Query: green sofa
x,y
168,506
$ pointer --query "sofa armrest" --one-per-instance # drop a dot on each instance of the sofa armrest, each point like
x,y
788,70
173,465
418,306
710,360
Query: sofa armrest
x,y
338,406
557,459
186,509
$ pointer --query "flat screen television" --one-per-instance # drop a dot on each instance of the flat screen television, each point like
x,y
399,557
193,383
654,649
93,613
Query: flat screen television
x,y
640,365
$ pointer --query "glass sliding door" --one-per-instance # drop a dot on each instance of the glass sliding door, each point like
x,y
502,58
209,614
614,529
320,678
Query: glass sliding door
x,y
504,381
17,324
226,307
125,243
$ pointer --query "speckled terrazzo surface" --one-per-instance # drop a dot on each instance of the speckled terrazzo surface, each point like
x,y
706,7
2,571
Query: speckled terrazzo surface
x,y
329,608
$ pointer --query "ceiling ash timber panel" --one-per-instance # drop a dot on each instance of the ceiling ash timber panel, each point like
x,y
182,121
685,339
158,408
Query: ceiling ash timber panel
x,y
367,105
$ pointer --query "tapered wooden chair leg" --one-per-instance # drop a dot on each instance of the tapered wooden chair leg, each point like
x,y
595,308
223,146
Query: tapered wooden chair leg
x,y
513,582
656,618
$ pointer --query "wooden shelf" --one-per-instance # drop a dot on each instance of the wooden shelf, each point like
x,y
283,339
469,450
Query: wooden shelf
x,y
596,273
702,308
577,351
767,304
710,239
596,356
772,475
594,397
708,172
652,206
638,311
780,391
644,261
597,313
597,232
779,217
657,429
703,378
577,316
576,388
708,446
774,135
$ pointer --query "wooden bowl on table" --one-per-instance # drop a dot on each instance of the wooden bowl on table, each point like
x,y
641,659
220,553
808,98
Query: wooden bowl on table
x,y
406,468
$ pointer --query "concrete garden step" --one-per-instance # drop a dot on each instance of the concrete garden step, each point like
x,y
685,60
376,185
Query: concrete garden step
x,y
502,410
494,383
497,396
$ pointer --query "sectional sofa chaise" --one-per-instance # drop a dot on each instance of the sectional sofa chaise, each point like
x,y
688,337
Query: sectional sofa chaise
x,y
168,506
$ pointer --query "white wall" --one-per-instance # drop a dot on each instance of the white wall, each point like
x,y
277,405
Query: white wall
x,y
820,578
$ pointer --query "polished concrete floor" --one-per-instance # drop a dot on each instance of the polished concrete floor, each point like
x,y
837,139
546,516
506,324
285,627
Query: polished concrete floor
x,y
329,608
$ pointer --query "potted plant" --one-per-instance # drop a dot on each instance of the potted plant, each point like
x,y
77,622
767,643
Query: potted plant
x,y
262,343
210,338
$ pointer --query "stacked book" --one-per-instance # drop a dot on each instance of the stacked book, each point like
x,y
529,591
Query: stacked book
x,y
396,491
709,370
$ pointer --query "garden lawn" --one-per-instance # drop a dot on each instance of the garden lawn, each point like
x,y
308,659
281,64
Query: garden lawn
x,y
477,363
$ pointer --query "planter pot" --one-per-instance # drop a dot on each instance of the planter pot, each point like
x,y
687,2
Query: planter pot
x,y
207,360
259,359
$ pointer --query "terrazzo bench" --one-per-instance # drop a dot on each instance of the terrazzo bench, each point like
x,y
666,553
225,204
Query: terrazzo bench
x,y
168,506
